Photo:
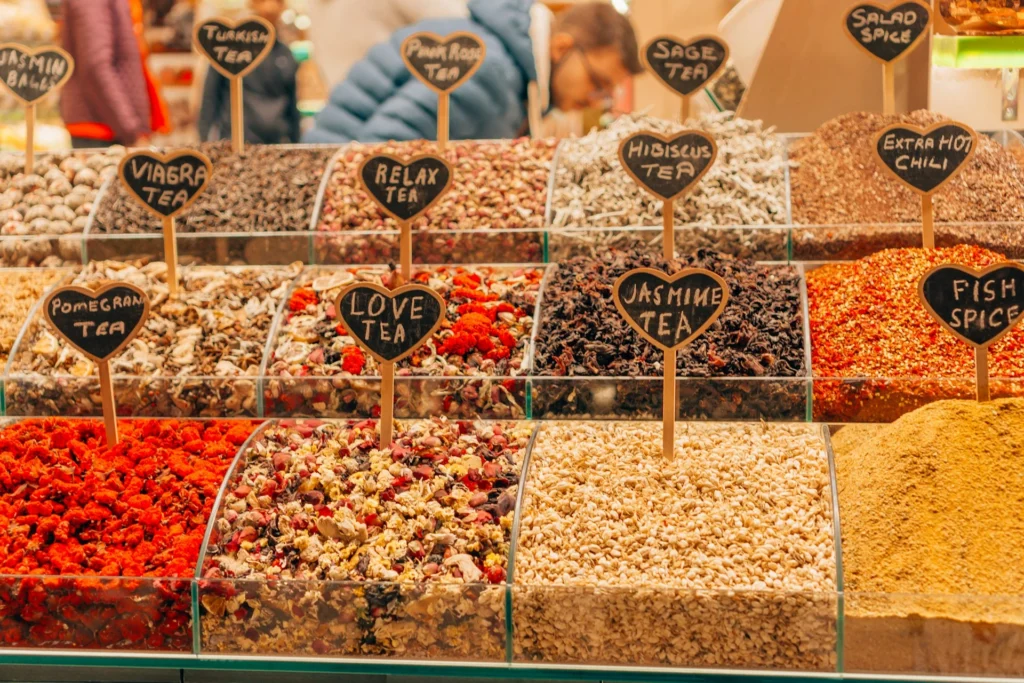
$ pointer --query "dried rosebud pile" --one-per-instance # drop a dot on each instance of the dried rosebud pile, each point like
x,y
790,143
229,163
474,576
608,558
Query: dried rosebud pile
x,y
420,532
19,291
582,335
867,324
71,506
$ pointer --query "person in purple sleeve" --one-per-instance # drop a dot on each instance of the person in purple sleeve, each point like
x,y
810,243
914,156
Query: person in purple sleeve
x,y
106,101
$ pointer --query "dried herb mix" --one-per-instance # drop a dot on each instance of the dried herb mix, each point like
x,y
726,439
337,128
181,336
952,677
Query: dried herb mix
x,y
581,335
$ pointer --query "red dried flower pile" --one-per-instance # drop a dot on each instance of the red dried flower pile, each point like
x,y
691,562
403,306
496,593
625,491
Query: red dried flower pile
x,y
73,510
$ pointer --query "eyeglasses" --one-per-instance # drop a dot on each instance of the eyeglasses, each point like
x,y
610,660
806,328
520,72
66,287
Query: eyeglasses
x,y
602,90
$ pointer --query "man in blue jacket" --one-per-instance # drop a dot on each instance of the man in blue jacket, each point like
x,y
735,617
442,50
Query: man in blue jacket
x,y
576,59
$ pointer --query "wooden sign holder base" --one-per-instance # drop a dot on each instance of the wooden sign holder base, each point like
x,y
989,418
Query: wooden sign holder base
x,y
30,138
981,371
668,406
109,408
927,222
171,256
237,117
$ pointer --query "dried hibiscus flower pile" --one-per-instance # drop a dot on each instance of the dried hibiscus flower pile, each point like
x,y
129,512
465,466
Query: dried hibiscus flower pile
x,y
71,507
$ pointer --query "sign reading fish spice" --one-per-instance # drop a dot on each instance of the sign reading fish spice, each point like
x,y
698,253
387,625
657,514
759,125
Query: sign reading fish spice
x,y
389,325
31,74
670,311
668,168
404,190
235,49
979,307
685,67
166,185
925,159
888,34
443,64
99,323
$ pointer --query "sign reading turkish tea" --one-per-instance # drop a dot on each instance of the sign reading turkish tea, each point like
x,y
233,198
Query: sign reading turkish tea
x,y
888,33
30,74
979,307
668,167
99,323
925,159
685,67
389,325
670,311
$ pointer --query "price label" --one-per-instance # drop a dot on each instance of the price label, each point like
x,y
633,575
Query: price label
x,y
166,184
978,306
406,189
686,67
235,48
668,167
925,159
888,33
390,324
99,323
443,64
670,311
31,74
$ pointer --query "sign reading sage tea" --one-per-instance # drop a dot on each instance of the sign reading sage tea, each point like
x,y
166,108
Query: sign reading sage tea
x,y
99,323
234,49
443,64
888,34
389,325
685,67
31,74
979,307
670,311
166,185
925,159
405,190
668,168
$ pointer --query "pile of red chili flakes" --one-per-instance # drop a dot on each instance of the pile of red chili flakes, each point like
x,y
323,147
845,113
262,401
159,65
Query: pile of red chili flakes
x,y
73,511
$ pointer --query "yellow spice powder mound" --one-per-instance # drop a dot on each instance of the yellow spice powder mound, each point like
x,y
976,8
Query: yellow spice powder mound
x,y
933,505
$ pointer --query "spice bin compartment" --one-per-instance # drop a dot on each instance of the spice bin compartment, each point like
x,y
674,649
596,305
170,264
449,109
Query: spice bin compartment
x,y
311,369
757,242
430,246
625,559
204,248
324,506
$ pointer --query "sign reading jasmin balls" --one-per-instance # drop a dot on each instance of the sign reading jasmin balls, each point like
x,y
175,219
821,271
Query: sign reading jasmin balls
x,y
979,307
234,49
389,325
30,74
404,190
925,159
443,64
670,311
685,67
668,168
99,323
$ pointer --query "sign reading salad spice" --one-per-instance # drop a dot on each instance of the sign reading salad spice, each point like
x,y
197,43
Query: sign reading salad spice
x,y
888,34
685,67
670,311
405,190
99,323
166,185
234,49
443,64
31,74
979,307
925,159
668,168
389,325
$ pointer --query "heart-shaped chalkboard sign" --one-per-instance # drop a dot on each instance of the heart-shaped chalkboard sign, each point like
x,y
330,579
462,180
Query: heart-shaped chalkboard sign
x,y
670,311
31,74
166,184
390,324
686,67
443,64
925,159
100,322
234,48
405,189
978,306
888,33
668,167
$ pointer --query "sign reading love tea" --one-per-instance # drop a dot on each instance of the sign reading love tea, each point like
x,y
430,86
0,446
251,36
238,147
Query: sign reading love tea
x,y
166,184
668,167
670,311
888,33
979,307
389,325
31,74
99,323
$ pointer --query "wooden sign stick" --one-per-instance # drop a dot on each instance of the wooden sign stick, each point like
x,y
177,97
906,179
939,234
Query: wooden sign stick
x,y
171,256
405,250
668,240
30,138
107,399
888,88
237,117
927,222
981,372
442,122
387,403
668,405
